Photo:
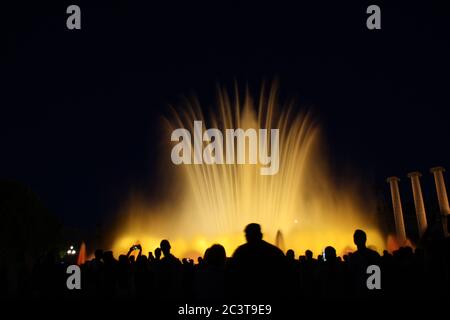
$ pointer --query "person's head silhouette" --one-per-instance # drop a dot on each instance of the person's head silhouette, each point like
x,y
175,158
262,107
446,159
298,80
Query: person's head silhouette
x,y
98,254
253,233
108,257
290,254
165,247
215,256
359,238
330,254
157,253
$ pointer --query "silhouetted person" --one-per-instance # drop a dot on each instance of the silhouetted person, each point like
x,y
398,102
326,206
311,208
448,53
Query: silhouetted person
x,y
331,275
308,274
143,278
210,276
258,268
131,250
125,280
96,270
309,255
257,272
170,274
293,273
330,254
165,248
290,255
109,274
158,254
358,263
151,258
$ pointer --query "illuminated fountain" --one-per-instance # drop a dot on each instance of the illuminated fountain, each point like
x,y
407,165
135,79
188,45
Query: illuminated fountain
x,y
213,203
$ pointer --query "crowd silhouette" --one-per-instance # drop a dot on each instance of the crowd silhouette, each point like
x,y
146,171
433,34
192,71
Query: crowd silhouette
x,y
256,271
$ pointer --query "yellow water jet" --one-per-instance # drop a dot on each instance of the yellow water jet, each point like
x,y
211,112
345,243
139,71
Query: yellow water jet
x,y
217,201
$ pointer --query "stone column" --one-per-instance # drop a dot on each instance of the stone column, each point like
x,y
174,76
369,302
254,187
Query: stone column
x,y
398,212
418,202
442,195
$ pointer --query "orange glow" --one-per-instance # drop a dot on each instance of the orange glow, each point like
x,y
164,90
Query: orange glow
x,y
82,254
394,244
216,202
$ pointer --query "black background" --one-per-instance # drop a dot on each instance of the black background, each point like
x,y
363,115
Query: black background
x,y
80,109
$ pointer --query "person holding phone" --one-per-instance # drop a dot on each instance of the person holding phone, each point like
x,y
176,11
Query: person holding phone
x,y
133,248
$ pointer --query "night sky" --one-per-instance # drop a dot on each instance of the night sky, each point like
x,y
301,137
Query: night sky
x,y
80,109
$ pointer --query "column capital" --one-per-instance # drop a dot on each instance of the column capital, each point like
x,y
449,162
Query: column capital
x,y
414,174
437,169
390,179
